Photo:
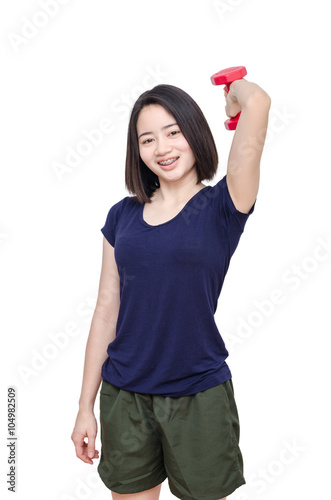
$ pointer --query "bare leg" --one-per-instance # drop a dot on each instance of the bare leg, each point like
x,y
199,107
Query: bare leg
x,y
151,494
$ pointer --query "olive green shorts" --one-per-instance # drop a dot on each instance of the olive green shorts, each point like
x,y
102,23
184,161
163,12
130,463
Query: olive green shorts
x,y
193,440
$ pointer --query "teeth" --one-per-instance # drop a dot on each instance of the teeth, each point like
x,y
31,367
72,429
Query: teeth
x,y
167,162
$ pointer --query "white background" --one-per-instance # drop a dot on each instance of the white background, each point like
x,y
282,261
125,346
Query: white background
x,y
87,63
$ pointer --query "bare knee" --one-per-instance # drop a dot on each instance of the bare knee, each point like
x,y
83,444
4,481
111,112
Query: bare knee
x,y
151,494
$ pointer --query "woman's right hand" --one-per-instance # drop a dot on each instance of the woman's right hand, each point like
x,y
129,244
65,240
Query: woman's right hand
x,y
85,426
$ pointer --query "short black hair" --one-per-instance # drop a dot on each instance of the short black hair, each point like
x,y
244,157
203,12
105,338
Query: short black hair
x,y
139,179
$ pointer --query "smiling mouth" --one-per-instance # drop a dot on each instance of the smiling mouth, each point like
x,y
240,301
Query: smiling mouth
x,y
168,162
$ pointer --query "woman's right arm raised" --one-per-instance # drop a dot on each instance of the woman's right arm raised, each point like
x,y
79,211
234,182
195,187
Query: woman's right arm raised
x,y
102,332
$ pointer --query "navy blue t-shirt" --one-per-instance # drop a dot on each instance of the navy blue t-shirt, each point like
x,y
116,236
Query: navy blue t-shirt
x,y
171,275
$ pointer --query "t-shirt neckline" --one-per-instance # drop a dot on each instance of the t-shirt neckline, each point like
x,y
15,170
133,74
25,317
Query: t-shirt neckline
x,y
141,209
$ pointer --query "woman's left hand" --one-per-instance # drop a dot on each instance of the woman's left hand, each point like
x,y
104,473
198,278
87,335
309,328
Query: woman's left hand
x,y
240,93
232,107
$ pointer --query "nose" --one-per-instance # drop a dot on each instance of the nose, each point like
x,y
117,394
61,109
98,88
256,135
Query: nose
x,y
162,147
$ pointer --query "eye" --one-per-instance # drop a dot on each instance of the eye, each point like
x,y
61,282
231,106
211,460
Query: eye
x,y
174,133
147,141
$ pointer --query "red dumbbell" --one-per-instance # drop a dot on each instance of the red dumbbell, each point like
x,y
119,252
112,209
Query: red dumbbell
x,y
227,76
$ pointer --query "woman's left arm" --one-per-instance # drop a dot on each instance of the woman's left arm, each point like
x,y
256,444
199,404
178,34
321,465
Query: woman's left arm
x,y
243,170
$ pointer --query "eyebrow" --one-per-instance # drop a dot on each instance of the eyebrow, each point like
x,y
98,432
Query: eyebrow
x,y
163,128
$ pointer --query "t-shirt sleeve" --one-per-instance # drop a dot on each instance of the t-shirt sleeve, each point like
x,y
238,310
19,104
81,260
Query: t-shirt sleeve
x,y
233,218
109,228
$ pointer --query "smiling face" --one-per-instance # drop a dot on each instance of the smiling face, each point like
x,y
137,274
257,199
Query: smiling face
x,y
162,146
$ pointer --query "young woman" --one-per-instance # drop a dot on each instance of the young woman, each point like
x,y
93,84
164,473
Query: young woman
x,y
167,406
